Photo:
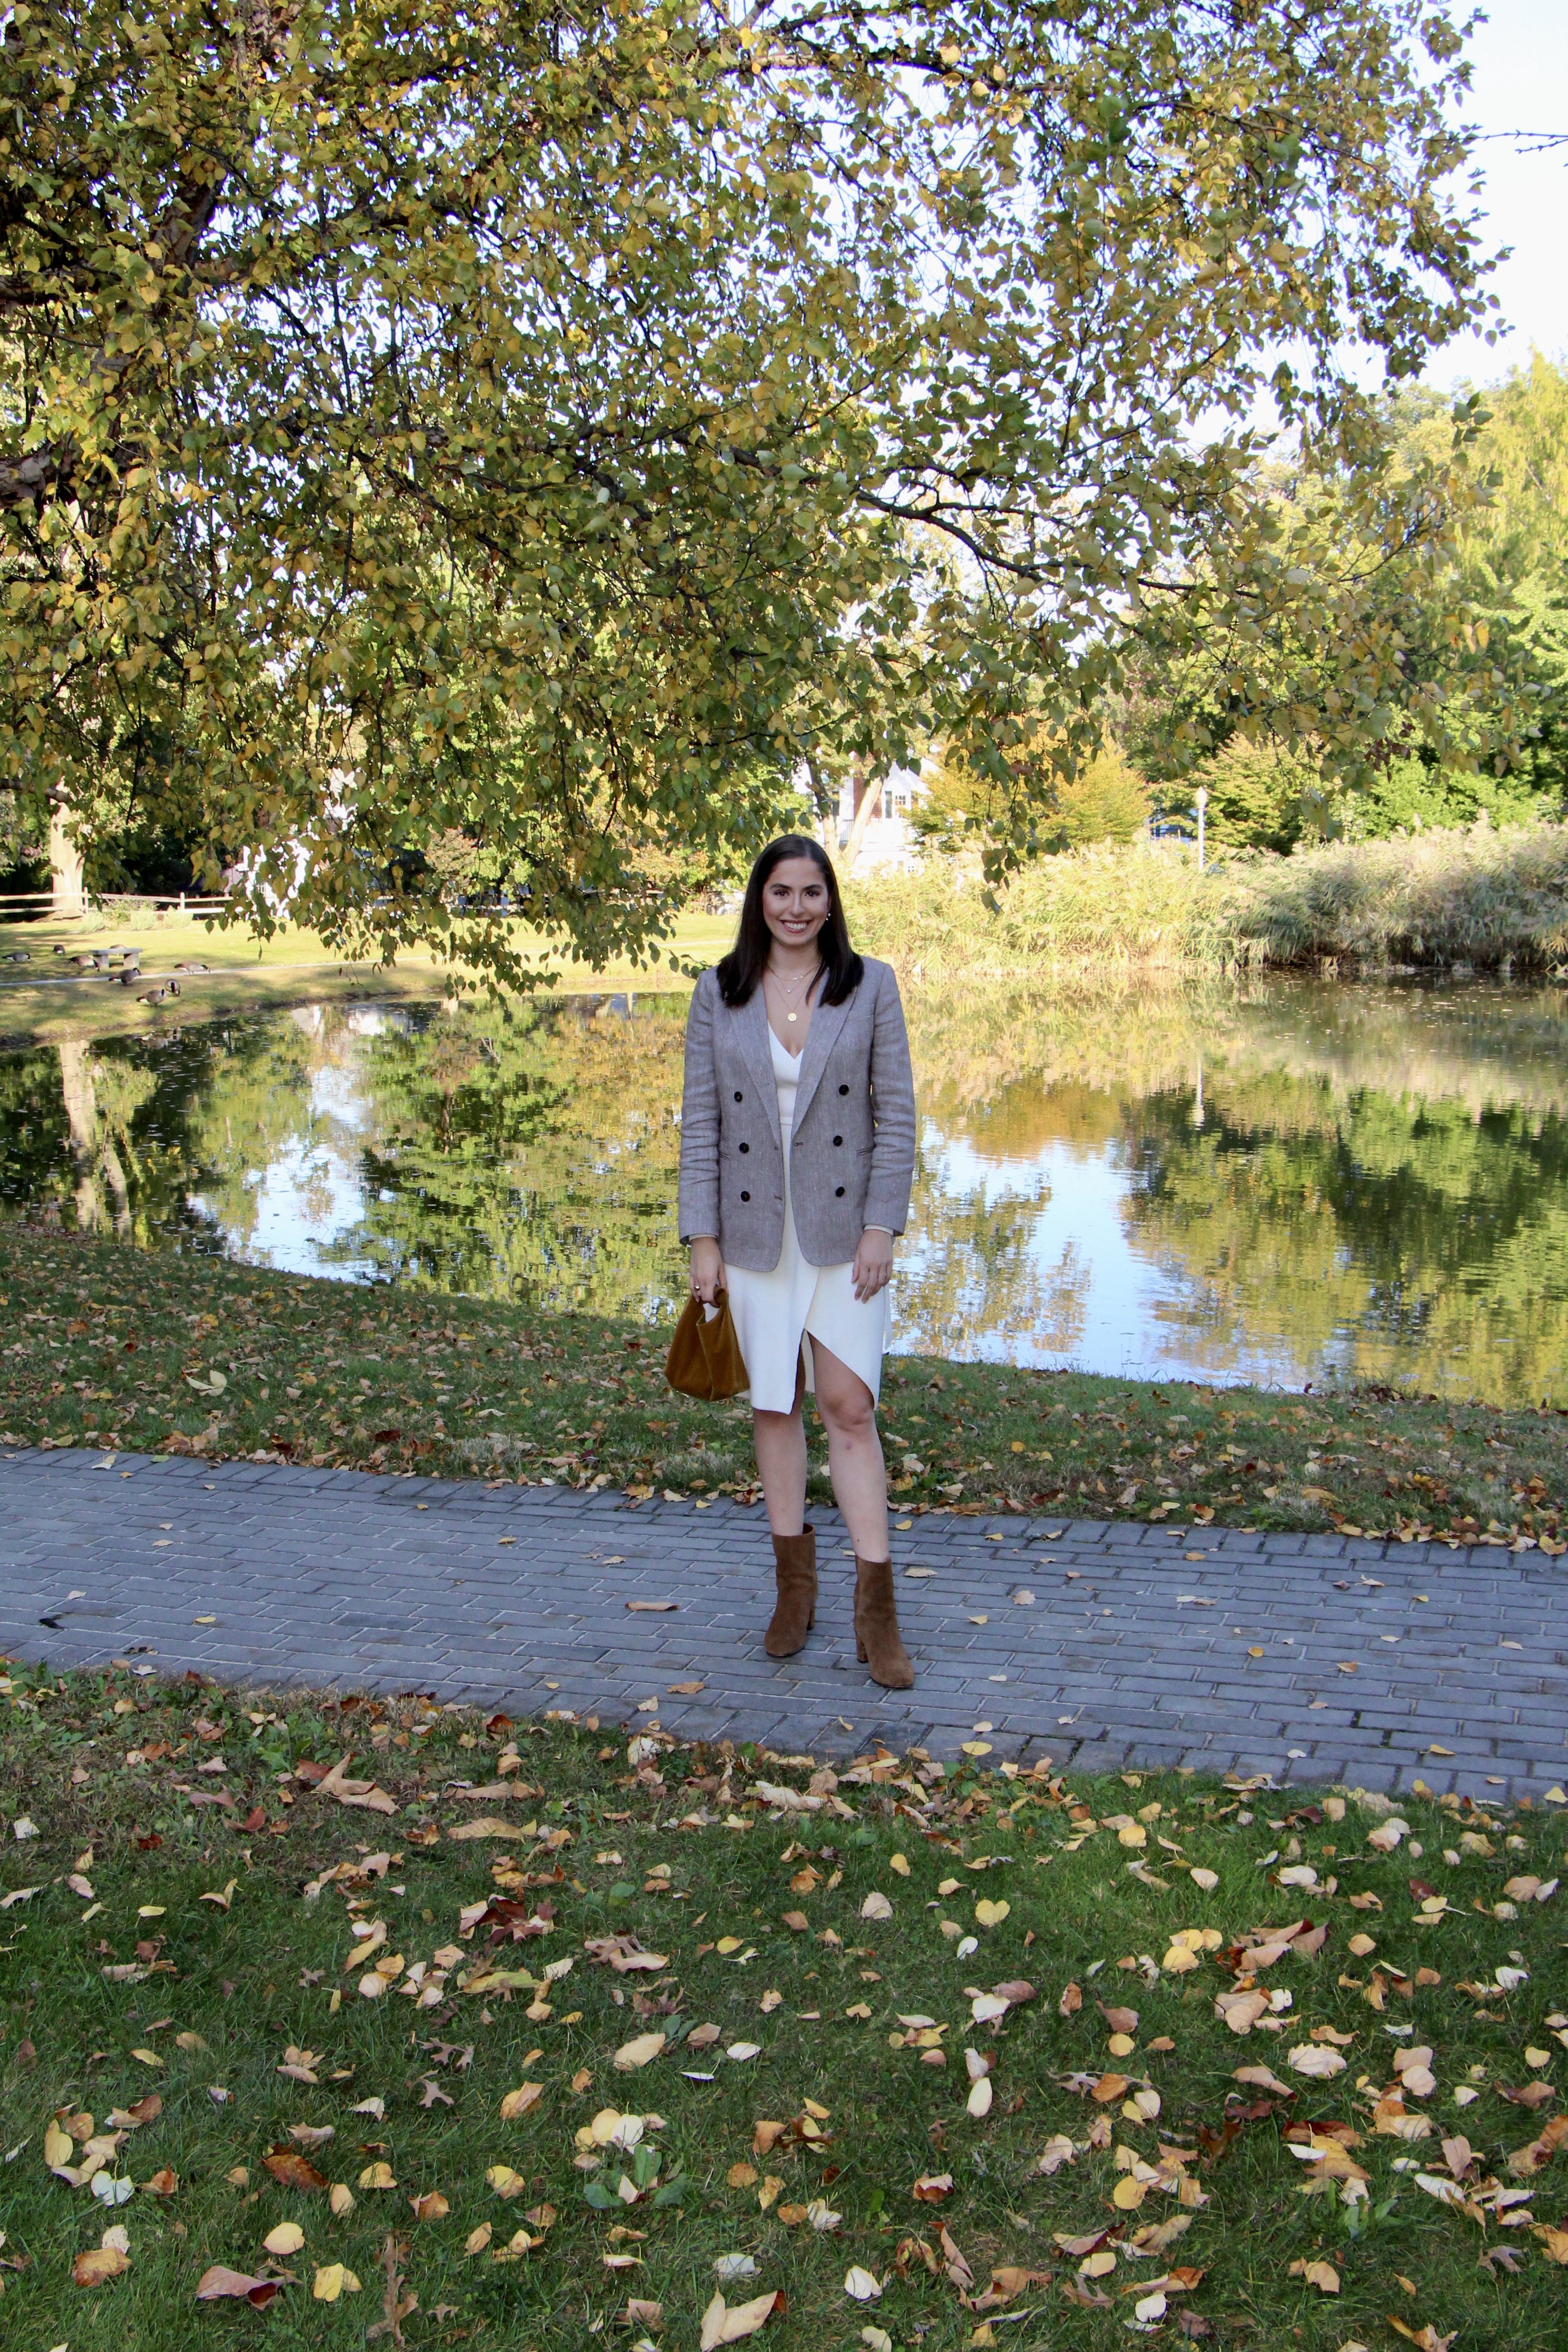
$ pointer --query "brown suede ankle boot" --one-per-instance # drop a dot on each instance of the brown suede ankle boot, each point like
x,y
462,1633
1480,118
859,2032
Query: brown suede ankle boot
x,y
795,1612
878,1642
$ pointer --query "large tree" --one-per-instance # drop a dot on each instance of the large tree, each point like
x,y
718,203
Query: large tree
x,y
566,426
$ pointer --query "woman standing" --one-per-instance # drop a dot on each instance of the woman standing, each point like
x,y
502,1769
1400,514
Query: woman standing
x,y
797,1151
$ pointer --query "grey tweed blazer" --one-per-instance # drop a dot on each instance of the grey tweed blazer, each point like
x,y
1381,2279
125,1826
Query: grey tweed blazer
x,y
852,1149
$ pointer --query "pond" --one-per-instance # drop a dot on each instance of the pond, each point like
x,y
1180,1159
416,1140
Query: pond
x,y
1281,1182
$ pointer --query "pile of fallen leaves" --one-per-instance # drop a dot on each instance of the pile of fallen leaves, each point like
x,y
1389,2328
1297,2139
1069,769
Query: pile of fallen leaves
x,y
530,2033
171,1352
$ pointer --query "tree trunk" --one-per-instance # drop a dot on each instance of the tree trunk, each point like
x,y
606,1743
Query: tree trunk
x,y
64,866
871,801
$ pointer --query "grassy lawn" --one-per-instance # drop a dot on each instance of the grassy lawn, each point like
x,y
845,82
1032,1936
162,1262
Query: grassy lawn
x,y
384,2048
247,972
111,1345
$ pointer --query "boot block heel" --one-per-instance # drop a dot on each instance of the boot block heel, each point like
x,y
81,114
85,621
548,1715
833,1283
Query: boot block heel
x,y
876,1638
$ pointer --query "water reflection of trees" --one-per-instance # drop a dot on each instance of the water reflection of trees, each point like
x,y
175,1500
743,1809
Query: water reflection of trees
x,y
1376,1179
1395,1236
135,1134
532,1157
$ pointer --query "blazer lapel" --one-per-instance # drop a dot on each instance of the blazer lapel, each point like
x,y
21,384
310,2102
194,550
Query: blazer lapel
x,y
826,1024
752,1029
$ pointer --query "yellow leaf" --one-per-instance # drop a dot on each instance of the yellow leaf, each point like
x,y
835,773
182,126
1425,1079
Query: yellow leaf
x,y
286,2239
377,2176
147,2057
478,2240
100,2265
1317,2274
989,1914
639,2052
1127,2193
722,2325
342,2198
518,2103
899,1862
331,2279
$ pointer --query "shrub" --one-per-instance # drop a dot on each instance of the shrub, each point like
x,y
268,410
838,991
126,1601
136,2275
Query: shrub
x,y
1478,896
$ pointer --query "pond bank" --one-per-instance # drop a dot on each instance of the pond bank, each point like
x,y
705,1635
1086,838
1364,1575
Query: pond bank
x,y
46,999
175,1351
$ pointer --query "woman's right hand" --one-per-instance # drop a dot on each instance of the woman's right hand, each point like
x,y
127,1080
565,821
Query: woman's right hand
x,y
707,1270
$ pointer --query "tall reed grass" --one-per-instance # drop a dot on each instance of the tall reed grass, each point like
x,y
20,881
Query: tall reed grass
x,y
1481,895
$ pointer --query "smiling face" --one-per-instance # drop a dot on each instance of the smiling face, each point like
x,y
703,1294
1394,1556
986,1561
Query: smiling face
x,y
795,901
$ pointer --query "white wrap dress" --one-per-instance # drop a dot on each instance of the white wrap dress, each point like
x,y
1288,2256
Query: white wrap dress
x,y
778,1315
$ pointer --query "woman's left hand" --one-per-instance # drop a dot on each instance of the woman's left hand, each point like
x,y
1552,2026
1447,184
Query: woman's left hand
x,y
873,1264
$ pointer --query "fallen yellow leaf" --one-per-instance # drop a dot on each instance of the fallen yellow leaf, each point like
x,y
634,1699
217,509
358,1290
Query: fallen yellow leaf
x,y
720,2325
331,2279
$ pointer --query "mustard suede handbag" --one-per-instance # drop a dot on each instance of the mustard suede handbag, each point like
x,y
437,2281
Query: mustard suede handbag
x,y
704,1359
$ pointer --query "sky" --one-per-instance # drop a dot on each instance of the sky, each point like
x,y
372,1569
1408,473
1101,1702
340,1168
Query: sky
x,y
1521,59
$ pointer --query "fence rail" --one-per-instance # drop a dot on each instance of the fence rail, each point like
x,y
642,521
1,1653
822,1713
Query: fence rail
x,y
111,902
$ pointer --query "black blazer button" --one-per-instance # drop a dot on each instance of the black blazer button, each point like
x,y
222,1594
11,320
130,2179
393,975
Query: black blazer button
x,y
838,1191
745,1147
745,1196
843,1090
838,1139
738,1095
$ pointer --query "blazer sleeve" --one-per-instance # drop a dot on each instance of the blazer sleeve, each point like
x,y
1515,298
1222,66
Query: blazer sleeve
x,y
700,1120
893,1110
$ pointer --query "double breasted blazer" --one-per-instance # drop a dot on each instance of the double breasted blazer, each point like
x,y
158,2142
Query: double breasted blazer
x,y
852,1144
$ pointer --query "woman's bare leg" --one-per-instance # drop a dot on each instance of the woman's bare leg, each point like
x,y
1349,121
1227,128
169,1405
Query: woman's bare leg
x,y
780,1441
853,1451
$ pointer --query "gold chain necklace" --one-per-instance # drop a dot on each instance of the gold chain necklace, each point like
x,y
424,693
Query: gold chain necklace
x,y
785,992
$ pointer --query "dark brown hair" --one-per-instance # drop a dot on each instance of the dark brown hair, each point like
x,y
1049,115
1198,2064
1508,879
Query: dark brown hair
x,y
741,971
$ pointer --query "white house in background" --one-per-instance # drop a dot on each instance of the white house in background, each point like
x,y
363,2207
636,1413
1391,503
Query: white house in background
x,y
887,840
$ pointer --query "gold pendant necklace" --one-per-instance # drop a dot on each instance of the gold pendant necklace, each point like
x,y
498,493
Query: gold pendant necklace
x,y
790,1017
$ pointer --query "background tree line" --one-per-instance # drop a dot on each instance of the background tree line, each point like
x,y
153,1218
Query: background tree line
x,y
1501,589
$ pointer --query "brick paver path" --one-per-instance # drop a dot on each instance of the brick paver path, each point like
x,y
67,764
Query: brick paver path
x,y
1132,1650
